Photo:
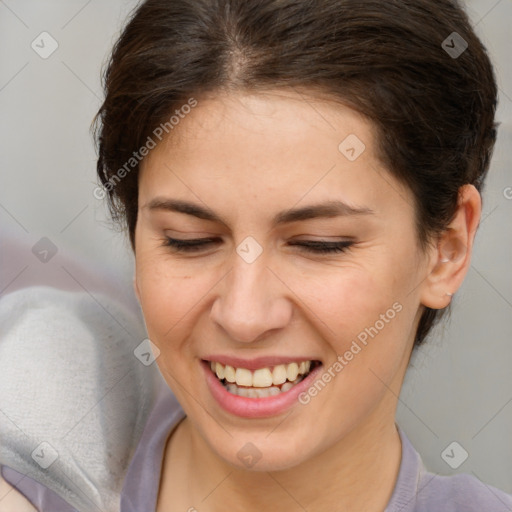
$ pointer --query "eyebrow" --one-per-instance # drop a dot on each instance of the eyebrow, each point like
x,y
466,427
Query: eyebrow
x,y
319,210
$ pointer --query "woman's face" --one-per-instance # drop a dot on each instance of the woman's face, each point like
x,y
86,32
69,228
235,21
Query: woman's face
x,y
257,296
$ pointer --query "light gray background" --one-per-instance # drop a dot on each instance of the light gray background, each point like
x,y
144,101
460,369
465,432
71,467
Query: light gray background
x,y
459,386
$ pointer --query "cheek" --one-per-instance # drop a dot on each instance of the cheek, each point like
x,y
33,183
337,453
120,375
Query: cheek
x,y
362,318
347,300
365,315
167,298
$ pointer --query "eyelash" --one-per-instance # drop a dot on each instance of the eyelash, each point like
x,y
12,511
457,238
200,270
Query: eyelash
x,y
317,247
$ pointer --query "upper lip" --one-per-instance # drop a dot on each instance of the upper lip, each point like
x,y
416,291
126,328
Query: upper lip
x,y
257,362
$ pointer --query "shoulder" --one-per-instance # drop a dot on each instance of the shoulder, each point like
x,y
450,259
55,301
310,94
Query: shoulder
x,y
11,499
459,493
24,494
419,490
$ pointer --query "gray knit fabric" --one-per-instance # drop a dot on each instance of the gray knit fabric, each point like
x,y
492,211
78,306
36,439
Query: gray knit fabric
x,y
72,388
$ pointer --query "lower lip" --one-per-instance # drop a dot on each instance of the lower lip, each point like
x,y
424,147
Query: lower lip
x,y
256,407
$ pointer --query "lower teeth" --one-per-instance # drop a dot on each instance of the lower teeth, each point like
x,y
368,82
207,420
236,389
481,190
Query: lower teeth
x,y
260,392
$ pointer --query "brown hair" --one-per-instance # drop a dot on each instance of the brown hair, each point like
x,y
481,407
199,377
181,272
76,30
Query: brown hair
x,y
391,61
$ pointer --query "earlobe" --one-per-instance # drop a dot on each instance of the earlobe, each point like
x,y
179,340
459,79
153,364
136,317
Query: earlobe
x,y
451,258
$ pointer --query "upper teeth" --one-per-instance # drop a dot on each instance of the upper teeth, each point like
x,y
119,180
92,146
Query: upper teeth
x,y
263,377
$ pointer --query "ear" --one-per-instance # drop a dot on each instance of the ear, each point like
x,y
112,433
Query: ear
x,y
136,288
451,258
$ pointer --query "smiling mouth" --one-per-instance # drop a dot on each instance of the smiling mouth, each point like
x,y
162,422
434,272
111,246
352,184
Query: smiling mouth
x,y
263,382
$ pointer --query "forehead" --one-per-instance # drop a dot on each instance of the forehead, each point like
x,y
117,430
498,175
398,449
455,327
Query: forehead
x,y
244,130
271,146
260,115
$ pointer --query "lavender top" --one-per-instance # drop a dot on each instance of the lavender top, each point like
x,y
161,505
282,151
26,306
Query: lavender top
x,y
416,489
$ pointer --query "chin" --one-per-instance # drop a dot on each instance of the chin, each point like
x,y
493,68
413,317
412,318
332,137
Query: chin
x,y
261,452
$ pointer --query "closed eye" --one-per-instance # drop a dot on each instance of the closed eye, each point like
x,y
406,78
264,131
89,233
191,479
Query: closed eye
x,y
312,246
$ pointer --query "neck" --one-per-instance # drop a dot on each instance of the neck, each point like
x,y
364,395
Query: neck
x,y
356,473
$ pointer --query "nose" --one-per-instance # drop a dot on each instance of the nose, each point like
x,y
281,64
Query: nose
x,y
251,302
